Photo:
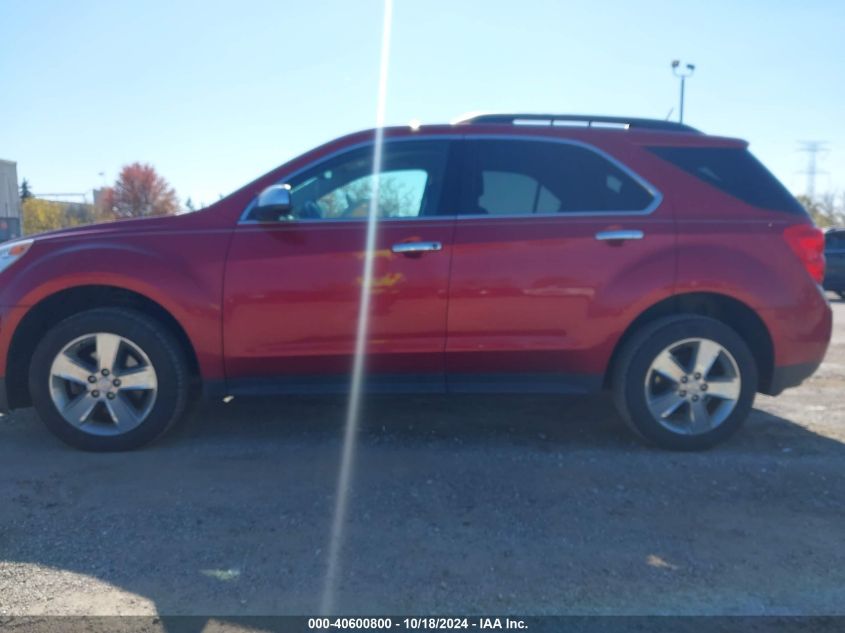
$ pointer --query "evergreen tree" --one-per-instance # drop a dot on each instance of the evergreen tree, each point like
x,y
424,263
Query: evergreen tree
x,y
26,192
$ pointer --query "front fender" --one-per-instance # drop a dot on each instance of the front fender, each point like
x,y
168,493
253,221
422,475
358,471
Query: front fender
x,y
181,273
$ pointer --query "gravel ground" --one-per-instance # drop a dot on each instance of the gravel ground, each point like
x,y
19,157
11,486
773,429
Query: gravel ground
x,y
465,504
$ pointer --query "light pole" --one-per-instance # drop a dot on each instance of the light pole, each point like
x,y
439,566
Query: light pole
x,y
683,73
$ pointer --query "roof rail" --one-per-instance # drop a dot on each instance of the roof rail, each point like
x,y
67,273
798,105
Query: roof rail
x,y
587,120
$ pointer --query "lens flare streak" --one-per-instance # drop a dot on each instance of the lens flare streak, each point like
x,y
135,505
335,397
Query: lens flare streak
x,y
353,411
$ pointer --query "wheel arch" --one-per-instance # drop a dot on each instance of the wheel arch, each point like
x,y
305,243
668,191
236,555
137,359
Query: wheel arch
x,y
730,311
56,307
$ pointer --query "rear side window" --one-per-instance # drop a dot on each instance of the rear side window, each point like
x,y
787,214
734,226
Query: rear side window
x,y
734,171
533,177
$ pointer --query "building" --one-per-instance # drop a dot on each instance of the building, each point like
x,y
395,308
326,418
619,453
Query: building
x,y
10,201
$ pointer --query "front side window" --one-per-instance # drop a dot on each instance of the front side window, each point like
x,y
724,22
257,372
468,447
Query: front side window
x,y
401,195
531,177
341,188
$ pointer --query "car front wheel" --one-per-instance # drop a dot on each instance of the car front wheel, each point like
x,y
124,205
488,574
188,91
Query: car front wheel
x,y
685,382
109,380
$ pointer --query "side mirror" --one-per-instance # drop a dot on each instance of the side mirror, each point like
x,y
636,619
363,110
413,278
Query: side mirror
x,y
273,204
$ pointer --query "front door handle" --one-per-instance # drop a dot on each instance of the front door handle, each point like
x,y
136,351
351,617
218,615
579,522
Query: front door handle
x,y
612,236
416,247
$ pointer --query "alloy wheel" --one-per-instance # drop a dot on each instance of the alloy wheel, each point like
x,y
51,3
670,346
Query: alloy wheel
x,y
692,386
103,384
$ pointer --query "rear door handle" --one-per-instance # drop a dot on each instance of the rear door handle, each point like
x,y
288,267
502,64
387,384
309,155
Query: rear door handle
x,y
607,236
416,247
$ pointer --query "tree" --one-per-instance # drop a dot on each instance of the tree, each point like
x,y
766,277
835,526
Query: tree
x,y
26,192
824,209
139,192
189,205
41,215
79,214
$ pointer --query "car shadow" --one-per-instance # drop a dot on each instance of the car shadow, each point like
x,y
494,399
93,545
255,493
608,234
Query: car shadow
x,y
475,504
543,422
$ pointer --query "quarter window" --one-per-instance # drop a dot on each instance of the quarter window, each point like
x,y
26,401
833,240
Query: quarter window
x,y
530,177
736,172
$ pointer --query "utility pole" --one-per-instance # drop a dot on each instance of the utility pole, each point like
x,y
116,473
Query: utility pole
x,y
813,148
683,73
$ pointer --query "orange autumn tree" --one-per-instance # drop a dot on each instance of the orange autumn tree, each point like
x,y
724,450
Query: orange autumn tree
x,y
139,192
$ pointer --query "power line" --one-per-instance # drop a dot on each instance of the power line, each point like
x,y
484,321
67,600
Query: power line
x,y
47,196
813,149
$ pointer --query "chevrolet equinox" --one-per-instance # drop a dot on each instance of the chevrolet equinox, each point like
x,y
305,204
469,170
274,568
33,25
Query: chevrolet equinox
x,y
515,253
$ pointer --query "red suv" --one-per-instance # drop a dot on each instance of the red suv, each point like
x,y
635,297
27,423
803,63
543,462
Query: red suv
x,y
515,253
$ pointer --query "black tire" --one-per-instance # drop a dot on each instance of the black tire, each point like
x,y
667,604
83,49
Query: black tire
x,y
164,353
631,368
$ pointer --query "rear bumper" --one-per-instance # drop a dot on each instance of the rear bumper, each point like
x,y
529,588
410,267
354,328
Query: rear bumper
x,y
800,331
790,376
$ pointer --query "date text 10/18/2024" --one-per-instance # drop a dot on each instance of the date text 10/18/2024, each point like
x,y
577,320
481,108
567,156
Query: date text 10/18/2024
x,y
423,623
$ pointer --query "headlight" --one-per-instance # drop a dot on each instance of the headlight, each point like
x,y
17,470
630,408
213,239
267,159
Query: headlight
x,y
12,252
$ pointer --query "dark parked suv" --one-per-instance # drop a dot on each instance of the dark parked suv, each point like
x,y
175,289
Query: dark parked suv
x,y
834,252
520,253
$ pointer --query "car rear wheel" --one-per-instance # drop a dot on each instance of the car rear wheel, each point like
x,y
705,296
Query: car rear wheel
x,y
109,380
685,382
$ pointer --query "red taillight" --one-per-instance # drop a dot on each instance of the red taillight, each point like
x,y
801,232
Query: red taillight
x,y
807,242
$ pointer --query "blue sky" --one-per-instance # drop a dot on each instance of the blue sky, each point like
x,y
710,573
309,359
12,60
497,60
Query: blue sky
x,y
215,93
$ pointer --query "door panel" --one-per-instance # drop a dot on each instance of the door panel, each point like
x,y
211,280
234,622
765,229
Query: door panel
x,y
292,297
540,301
293,287
537,299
